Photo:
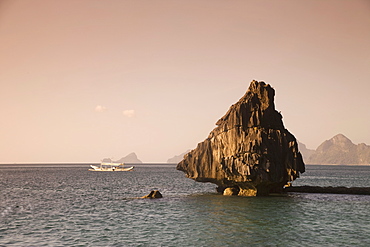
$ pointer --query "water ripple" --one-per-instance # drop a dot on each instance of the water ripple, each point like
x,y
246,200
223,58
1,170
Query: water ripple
x,y
73,207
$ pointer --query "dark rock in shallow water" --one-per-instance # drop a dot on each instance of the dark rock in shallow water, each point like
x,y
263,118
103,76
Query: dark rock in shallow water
x,y
153,194
249,149
329,190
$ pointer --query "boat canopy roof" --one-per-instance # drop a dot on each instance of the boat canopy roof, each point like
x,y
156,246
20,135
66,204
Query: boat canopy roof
x,y
111,164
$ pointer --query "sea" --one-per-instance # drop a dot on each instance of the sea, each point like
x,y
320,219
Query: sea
x,y
67,205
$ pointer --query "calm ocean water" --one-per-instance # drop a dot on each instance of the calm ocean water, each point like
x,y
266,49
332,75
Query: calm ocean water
x,y
69,206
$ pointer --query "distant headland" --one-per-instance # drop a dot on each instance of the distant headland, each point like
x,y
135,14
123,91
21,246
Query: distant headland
x,y
130,158
339,150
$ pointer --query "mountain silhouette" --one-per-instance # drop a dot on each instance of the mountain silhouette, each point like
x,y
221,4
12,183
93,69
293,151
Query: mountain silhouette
x,y
341,151
130,158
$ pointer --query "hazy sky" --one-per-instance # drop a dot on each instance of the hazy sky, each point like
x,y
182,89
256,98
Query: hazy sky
x,y
86,79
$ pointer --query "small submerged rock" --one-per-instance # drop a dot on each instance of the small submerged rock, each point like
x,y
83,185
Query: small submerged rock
x,y
153,194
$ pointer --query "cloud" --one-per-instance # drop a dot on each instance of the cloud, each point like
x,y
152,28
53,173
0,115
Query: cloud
x,y
100,108
129,113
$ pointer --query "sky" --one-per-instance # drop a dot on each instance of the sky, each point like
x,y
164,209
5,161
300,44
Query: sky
x,y
81,80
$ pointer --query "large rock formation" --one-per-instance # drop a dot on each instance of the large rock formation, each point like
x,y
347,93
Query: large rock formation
x,y
341,151
249,152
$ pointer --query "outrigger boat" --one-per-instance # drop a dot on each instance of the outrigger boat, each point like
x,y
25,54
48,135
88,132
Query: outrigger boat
x,y
110,167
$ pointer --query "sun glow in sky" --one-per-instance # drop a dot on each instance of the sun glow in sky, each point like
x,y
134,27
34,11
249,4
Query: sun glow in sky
x,y
88,79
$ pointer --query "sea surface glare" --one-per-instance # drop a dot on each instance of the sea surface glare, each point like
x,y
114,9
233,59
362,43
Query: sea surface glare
x,y
66,205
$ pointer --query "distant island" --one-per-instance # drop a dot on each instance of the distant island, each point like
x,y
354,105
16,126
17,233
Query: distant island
x,y
130,158
306,153
339,150
177,158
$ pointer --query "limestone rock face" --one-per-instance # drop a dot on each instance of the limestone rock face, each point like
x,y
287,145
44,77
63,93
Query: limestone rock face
x,y
249,149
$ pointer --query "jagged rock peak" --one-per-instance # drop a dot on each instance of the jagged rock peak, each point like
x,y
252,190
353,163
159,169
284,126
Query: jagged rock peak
x,y
251,110
249,151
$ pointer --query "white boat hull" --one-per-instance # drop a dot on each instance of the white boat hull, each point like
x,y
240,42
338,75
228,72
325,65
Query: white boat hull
x,y
110,169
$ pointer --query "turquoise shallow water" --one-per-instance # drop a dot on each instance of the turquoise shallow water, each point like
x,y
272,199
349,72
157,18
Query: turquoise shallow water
x,y
69,206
